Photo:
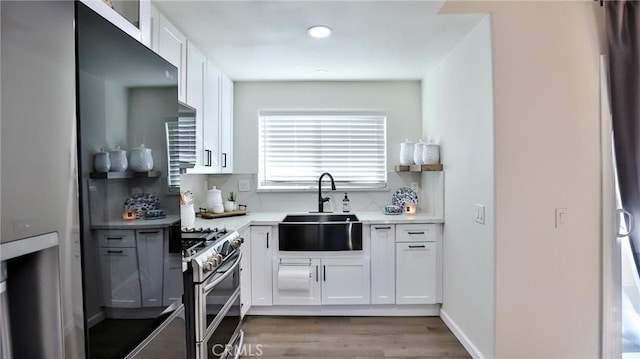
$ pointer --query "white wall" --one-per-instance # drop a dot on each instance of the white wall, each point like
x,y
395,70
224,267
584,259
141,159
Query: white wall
x,y
401,100
458,113
546,98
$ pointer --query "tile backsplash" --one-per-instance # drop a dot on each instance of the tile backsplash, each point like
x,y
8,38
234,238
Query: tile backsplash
x,y
430,199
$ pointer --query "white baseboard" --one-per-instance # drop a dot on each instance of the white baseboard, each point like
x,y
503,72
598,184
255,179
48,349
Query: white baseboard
x,y
348,310
464,340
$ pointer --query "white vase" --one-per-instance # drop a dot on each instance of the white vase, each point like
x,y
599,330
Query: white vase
x,y
141,159
101,162
406,153
118,160
214,200
417,152
187,215
431,154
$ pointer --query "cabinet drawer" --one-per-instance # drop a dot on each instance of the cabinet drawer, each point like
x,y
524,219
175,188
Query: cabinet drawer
x,y
417,232
116,238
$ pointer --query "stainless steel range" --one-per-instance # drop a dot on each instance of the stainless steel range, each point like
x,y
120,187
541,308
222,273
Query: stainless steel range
x,y
211,259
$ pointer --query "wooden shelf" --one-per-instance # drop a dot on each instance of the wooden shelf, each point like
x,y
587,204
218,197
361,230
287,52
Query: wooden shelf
x,y
124,175
419,168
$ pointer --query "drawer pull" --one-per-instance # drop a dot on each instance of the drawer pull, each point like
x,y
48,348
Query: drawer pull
x,y
420,246
388,227
114,238
115,252
416,232
149,232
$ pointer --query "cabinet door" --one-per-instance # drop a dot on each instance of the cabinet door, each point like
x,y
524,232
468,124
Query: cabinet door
x,y
172,45
416,273
150,264
345,281
120,278
226,126
172,287
296,281
196,67
211,124
245,273
383,264
262,243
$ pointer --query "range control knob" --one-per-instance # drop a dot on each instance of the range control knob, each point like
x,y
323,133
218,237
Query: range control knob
x,y
218,259
236,243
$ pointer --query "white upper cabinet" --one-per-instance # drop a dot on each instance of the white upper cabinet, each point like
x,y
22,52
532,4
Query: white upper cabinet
x,y
130,16
171,44
196,70
226,126
204,87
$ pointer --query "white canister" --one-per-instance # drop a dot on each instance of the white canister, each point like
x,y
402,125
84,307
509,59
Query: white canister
x,y
431,154
417,152
214,200
118,160
101,162
406,153
141,159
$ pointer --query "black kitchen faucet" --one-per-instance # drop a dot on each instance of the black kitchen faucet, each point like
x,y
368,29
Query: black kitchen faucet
x,y
322,200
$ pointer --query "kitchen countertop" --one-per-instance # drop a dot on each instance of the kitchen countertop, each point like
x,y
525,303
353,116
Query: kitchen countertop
x,y
137,223
239,223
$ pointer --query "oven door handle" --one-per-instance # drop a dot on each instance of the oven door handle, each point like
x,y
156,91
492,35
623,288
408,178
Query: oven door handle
x,y
209,286
240,344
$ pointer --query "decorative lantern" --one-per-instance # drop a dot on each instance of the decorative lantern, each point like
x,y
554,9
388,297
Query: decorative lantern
x,y
410,208
128,215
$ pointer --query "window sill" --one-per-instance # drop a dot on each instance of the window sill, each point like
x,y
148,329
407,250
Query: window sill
x,y
324,190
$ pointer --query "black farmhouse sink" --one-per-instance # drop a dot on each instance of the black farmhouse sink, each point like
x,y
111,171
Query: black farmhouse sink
x,y
320,232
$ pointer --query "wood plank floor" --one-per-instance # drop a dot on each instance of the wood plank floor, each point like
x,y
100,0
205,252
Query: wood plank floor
x,y
350,337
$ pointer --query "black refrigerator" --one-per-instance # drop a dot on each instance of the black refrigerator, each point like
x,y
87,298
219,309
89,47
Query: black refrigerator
x,y
127,96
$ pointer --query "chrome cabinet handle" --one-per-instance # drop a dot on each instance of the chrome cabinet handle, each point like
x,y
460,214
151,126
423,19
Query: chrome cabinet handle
x,y
149,232
389,227
416,232
267,239
420,246
632,224
324,272
224,156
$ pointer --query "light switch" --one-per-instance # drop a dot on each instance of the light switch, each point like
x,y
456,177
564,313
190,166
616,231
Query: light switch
x,y
561,217
479,213
243,186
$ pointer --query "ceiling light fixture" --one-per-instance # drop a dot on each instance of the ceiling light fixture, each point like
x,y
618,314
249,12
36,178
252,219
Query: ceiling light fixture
x,y
319,31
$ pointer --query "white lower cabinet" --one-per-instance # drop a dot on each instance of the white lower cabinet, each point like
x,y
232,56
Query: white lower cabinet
x,y
383,264
326,281
262,244
172,289
345,281
296,281
416,273
245,273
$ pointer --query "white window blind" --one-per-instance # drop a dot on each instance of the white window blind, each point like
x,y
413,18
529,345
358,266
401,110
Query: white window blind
x,y
181,144
296,148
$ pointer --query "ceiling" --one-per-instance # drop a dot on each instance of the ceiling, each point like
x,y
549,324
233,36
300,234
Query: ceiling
x,y
372,40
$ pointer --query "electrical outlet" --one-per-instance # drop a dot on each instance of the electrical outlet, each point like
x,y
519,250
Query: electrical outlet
x,y
561,217
479,213
243,186
414,186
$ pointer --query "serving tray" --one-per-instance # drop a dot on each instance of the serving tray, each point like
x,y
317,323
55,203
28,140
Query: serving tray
x,y
211,215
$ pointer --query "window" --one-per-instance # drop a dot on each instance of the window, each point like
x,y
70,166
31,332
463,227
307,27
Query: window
x,y
181,147
295,148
